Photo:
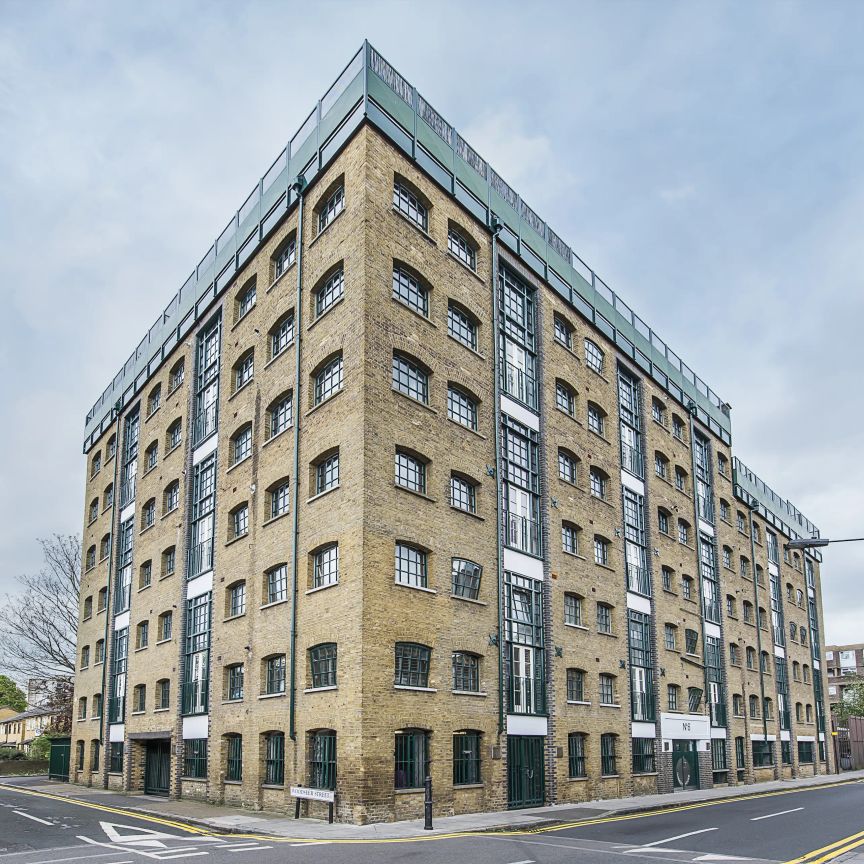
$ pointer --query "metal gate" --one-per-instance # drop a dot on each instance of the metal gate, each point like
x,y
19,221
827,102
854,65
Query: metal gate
x,y
157,767
58,759
685,765
525,771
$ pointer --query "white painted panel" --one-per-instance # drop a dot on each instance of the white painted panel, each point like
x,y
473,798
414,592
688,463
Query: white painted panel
x,y
520,413
644,730
821,736
519,724
638,602
779,651
712,629
773,569
805,737
205,449
718,732
811,593
685,727
195,727
524,565
121,621
127,513
817,664
116,732
763,737
200,585
631,482
786,735
706,528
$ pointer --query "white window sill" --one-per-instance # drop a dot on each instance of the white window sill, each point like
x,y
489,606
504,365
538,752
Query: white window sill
x,y
274,603
322,494
576,626
579,702
418,689
239,462
481,693
272,696
318,588
416,588
320,689
468,600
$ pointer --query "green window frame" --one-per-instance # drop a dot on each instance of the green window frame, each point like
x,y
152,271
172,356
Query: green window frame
x,y
643,756
466,758
234,763
195,757
412,665
466,577
408,290
274,674
322,759
115,757
331,291
466,672
411,762
608,755
576,755
236,677
274,758
763,754
322,663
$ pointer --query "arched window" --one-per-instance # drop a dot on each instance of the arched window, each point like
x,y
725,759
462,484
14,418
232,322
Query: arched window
x,y
411,758
594,356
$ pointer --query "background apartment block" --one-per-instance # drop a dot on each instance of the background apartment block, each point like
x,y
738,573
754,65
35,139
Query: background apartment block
x,y
845,665
396,483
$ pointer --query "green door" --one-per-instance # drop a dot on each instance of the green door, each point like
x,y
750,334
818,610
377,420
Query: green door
x,y
685,765
525,771
157,767
58,759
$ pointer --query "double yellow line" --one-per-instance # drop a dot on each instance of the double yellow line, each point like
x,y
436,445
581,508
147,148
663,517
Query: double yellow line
x,y
817,856
831,851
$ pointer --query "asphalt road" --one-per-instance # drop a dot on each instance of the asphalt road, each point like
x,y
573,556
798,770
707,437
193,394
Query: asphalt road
x,y
44,830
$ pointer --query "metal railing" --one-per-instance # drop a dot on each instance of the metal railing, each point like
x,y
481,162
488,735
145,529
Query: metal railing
x,y
642,705
201,558
520,385
523,533
638,579
194,696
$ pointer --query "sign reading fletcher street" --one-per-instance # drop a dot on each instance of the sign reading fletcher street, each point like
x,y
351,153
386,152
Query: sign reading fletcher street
x,y
313,794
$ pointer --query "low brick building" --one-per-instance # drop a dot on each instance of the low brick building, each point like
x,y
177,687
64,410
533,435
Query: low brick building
x,y
396,484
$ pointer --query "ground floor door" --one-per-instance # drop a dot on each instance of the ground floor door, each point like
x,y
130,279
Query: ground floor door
x,y
685,765
58,759
525,774
157,767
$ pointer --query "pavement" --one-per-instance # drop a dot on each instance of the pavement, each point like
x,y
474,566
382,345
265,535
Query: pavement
x,y
812,821
239,821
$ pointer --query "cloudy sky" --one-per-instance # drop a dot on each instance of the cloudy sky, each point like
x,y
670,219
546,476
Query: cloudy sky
x,y
707,159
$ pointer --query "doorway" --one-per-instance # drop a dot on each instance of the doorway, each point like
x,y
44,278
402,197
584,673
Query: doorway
x,y
525,771
685,765
157,767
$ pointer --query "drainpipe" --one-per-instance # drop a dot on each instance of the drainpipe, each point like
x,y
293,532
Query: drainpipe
x,y
754,506
103,722
496,419
298,186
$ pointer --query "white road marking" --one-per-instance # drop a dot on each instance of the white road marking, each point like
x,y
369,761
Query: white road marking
x,y
34,818
58,860
713,857
781,813
670,839
311,843
250,848
526,861
596,849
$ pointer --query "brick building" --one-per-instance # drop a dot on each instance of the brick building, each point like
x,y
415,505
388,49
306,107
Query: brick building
x,y
396,483
844,665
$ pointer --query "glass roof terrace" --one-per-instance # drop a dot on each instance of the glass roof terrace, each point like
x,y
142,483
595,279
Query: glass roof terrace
x,y
370,89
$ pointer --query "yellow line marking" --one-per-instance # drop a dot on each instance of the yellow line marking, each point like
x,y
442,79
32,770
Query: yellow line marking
x,y
831,846
543,829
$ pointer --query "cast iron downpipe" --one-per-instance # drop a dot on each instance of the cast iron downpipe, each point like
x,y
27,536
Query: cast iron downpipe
x,y
299,187
496,419
754,506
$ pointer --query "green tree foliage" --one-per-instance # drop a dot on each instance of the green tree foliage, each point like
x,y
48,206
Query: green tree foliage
x,y
852,703
40,748
11,695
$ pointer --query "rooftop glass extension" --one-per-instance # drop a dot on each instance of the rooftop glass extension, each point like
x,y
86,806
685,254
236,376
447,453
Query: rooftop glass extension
x,y
370,88
783,514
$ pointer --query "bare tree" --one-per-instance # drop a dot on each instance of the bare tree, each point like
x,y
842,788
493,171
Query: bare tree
x,y
39,625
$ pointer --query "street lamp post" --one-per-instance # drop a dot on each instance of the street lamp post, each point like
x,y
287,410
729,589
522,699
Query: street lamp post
x,y
816,542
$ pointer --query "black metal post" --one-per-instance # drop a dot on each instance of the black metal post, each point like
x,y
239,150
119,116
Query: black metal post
x,y
427,804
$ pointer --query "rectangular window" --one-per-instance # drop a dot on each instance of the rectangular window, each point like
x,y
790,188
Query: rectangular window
x,y
573,610
277,584
240,521
410,472
325,566
115,757
412,759
410,379
331,291
408,290
405,201
322,760
604,618
466,672
234,765
461,408
563,333
322,660
607,690
286,257
274,759
327,474
466,758
672,696
461,248
329,380
282,337
718,754
412,665
195,757
576,755
274,674
332,207
281,415
463,495
235,682
410,566
608,760
465,578
643,756
669,635
575,685
461,327
237,599
279,500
